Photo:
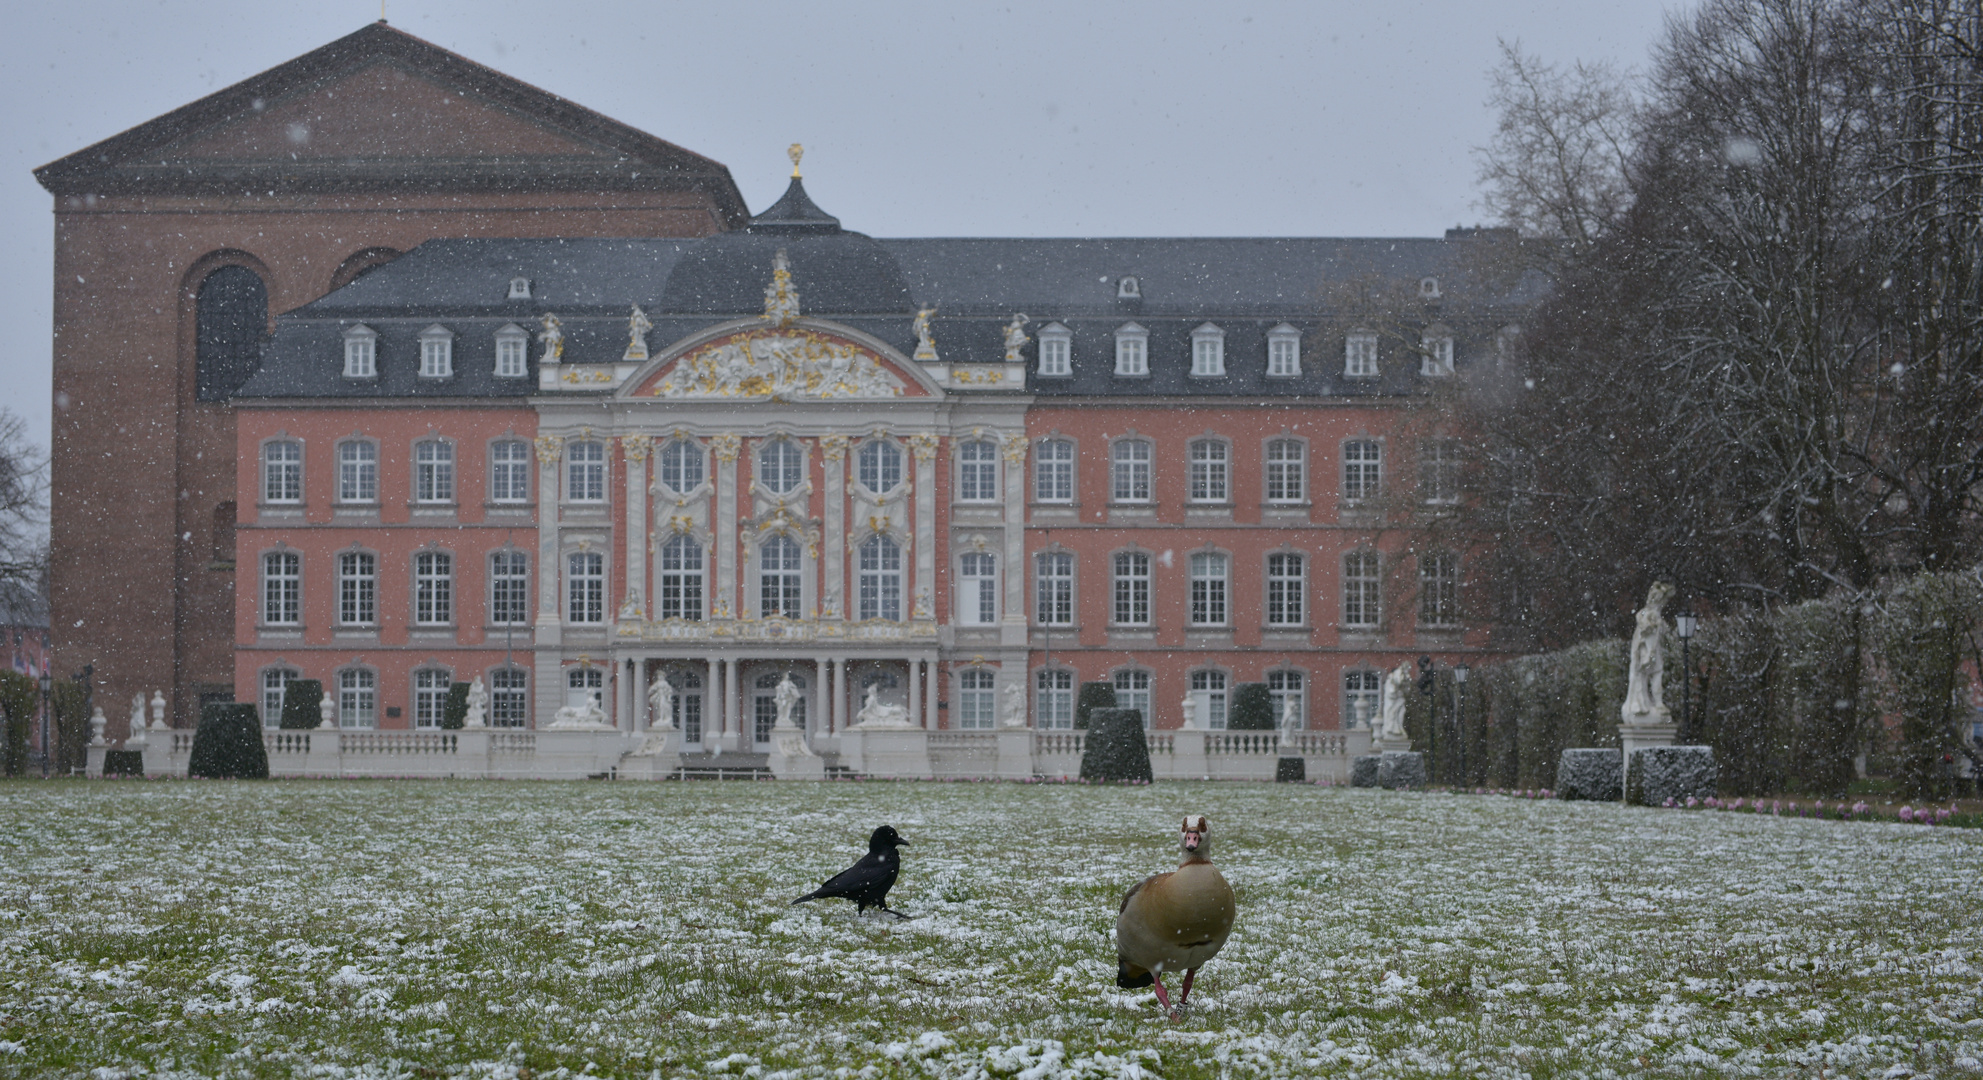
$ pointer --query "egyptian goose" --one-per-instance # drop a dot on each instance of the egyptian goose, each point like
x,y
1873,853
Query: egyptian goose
x,y
867,882
1174,921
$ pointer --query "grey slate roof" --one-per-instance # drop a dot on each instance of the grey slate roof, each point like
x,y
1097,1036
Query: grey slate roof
x,y
1245,286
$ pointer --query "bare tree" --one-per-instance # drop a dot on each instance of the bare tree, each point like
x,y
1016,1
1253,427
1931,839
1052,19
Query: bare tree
x,y
23,507
1556,166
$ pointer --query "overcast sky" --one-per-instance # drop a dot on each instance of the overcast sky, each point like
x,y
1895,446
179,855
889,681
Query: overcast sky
x,y
1049,118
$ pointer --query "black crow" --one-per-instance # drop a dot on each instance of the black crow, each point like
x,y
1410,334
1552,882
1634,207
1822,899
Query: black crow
x,y
867,882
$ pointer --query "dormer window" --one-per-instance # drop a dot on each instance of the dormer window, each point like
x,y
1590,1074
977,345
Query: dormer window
x,y
361,353
512,352
1208,351
1360,355
519,288
1284,351
436,353
1436,352
1428,288
1056,350
1132,350
1128,289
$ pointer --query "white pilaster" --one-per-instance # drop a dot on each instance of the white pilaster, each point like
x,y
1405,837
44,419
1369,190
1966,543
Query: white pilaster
x,y
548,689
724,553
638,535
833,600
916,690
923,606
1012,628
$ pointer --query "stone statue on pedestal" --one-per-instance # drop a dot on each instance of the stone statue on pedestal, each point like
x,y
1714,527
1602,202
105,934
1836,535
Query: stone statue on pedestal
x,y
1397,684
1015,706
1643,692
875,714
478,705
1189,707
785,697
327,711
661,703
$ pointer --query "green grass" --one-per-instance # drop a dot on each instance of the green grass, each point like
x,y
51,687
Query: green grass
x,y
504,929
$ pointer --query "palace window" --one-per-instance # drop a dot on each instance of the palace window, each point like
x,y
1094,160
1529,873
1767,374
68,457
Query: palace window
x,y
585,588
978,700
1360,356
433,472
1363,468
1284,686
681,578
1439,471
779,578
1209,471
433,589
1287,471
357,589
1132,350
1283,351
1363,691
1208,589
357,698
1435,353
977,471
780,466
275,691
1208,351
282,588
231,319
881,579
585,471
878,466
585,683
1285,589
509,471
430,697
1054,576
1362,597
1132,691
681,466
1053,471
512,352
977,590
1132,588
509,698
1129,471
1056,350
509,588
357,471
1439,589
361,353
1053,701
436,353
764,706
282,472
688,703
1209,687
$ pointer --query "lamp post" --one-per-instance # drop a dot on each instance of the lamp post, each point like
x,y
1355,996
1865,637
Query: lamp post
x,y
47,691
1427,683
1683,625
1460,673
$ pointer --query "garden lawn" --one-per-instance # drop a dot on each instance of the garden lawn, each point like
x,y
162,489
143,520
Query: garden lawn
x,y
619,929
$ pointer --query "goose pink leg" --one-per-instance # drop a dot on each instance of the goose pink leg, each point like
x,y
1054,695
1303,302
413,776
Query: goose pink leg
x,y
1163,997
1185,991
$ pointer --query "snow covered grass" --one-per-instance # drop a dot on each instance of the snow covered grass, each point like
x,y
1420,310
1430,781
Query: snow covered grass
x,y
513,929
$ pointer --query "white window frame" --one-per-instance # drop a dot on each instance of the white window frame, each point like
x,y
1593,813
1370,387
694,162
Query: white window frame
x,y
275,690
1208,352
509,697
358,472
437,352
512,352
682,563
509,587
977,471
361,353
585,588
282,588
1363,589
977,699
1360,355
1053,591
1439,589
519,288
977,589
880,581
430,697
878,466
1133,691
358,698
509,471
1283,683
1436,353
1131,469
1283,352
1132,351
1439,471
282,472
1363,469
1056,351
1363,695
357,589
1053,699
1129,588
1286,471
1210,471
781,582
1287,588
792,459
1053,471
585,471
433,472
676,461
1211,687
433,588
1211,589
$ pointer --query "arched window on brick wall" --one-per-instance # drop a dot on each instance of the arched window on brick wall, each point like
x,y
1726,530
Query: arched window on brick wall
x,y
233,316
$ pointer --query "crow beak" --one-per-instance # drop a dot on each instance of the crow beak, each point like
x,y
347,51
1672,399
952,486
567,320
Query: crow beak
x,y
901,841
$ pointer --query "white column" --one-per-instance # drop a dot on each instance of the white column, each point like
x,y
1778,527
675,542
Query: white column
x,y
838,719
916,691
712,725
641,721
931,720
822,669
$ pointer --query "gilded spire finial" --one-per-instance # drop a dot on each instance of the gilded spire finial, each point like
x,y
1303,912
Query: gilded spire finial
x,y
795,152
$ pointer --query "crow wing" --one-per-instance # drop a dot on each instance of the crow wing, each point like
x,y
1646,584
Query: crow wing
x,y
865,881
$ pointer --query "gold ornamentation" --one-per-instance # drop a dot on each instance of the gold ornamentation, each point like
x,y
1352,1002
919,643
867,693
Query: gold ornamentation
x,y
975,376
636,446
784,365
682,524
922,608
575,377
834,447
725,446
795,152
1015,338
925,336
637,328
1015,448
781,299
549,449
553,339
924,446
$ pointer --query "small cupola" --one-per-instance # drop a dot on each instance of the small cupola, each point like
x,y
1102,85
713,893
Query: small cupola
x,y
795,212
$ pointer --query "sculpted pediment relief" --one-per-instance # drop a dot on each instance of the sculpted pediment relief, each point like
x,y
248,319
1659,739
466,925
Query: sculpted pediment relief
x,y
778,364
